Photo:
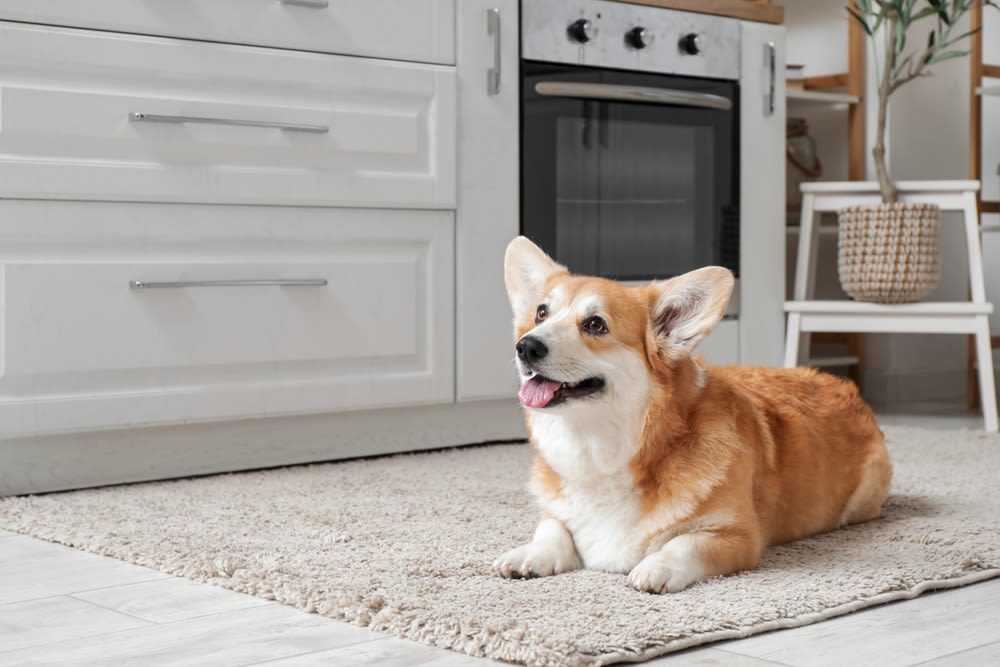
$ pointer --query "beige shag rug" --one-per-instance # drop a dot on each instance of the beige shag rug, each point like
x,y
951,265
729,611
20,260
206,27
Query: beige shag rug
x,y
404,544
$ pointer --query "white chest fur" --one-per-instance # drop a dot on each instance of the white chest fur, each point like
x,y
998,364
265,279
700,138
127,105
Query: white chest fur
x,y
598,502
604,522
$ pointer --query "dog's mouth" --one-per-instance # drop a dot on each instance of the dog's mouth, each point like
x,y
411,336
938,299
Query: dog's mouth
x,y
539,391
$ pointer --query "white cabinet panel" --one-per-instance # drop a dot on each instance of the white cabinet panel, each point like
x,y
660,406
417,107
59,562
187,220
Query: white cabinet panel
x,y
367,310
220,123
722,346
762,186
82,349
488,205
419,30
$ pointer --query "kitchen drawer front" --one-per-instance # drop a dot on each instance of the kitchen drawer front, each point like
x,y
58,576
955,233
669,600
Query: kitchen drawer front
x,y
386,129
82,347
417,30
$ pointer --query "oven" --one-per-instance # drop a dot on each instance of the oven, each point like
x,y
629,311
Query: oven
x,y
630,138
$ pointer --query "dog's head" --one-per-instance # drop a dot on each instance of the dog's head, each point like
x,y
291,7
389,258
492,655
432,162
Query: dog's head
x,y
581,339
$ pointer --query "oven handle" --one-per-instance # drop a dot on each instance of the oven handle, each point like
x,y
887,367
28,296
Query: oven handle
x,y
647,94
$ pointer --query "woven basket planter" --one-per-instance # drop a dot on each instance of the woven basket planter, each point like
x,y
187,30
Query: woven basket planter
x,y
889,253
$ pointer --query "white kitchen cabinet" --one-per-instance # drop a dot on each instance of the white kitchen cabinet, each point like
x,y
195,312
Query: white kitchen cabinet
x,y
105,116
415,30
275,143
82,348
722,346
488,215
762,179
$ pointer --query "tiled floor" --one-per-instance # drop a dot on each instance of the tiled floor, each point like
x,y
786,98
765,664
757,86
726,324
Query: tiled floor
x,y
59,606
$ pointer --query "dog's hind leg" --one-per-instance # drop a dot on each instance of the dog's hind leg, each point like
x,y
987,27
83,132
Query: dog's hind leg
x,y
865,503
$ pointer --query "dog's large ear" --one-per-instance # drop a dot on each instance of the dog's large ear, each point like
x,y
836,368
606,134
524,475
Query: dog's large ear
x,y
526,271
685,309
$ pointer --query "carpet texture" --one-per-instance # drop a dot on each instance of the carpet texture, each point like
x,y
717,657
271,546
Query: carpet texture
x,y
404,545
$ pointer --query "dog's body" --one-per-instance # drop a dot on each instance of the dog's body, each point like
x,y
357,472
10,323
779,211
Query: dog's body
x,y
649,465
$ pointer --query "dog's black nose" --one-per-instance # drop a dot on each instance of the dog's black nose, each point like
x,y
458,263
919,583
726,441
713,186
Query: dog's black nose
x,y
530,349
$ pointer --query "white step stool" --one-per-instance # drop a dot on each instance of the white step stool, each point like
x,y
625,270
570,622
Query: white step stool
x,y
969,317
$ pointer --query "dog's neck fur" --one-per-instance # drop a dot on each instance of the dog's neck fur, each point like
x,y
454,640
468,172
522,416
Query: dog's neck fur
x,y
600,441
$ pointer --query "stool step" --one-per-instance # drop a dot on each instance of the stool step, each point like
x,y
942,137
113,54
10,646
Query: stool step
x,y
844,307
829,362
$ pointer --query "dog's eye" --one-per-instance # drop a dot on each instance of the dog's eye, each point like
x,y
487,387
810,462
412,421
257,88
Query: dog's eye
x,y
595,326
541,313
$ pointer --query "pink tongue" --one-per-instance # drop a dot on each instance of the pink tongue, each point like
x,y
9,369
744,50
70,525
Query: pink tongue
x,y
537,392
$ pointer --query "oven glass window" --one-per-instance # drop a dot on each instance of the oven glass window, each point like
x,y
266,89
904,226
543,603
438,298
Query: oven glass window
x,y
627,190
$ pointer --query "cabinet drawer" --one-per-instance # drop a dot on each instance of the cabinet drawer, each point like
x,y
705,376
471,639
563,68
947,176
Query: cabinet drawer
x,y
357,303
221,326
100,116
419,30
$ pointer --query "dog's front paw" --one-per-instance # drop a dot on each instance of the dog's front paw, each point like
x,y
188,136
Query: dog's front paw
x,y
536,559
662,573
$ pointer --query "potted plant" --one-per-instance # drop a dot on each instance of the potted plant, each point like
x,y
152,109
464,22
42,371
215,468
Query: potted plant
x,y
889,253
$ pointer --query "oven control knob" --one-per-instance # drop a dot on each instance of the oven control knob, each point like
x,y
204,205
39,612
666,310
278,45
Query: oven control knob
x,y
582,31
639,37
691,44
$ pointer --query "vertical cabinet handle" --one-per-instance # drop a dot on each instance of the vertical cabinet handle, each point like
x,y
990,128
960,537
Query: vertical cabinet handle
x,y
493,29
770,58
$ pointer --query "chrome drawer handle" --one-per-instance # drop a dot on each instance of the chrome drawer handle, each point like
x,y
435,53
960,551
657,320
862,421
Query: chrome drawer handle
x,y
315,4
138,117
650,95
278,282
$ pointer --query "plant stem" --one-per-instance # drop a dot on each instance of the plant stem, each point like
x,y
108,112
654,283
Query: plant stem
x,y
885,184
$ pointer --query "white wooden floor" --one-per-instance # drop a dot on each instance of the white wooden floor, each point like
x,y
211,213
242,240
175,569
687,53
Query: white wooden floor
x,y
59,606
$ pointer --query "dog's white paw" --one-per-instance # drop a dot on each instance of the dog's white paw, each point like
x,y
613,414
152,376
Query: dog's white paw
x,y
536,559
665,572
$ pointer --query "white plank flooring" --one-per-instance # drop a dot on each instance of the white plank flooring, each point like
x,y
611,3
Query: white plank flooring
x,y
59,606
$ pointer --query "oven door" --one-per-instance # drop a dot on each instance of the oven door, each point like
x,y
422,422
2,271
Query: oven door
x,y
629,176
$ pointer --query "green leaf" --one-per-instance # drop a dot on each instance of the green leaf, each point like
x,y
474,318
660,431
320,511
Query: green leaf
x,y
878,22
861,20
926,11
946,55
901,67
962,36
940,8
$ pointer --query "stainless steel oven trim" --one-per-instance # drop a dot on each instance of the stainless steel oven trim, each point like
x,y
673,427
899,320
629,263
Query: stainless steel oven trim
x,y
645,94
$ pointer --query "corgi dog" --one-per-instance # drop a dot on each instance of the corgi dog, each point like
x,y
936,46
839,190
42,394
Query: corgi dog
x,y
649,464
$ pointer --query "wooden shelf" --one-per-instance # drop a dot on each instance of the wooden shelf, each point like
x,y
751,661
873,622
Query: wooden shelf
x,y
820,97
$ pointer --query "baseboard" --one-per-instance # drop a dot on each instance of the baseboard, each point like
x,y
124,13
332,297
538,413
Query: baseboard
x,y
893,385
71,461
